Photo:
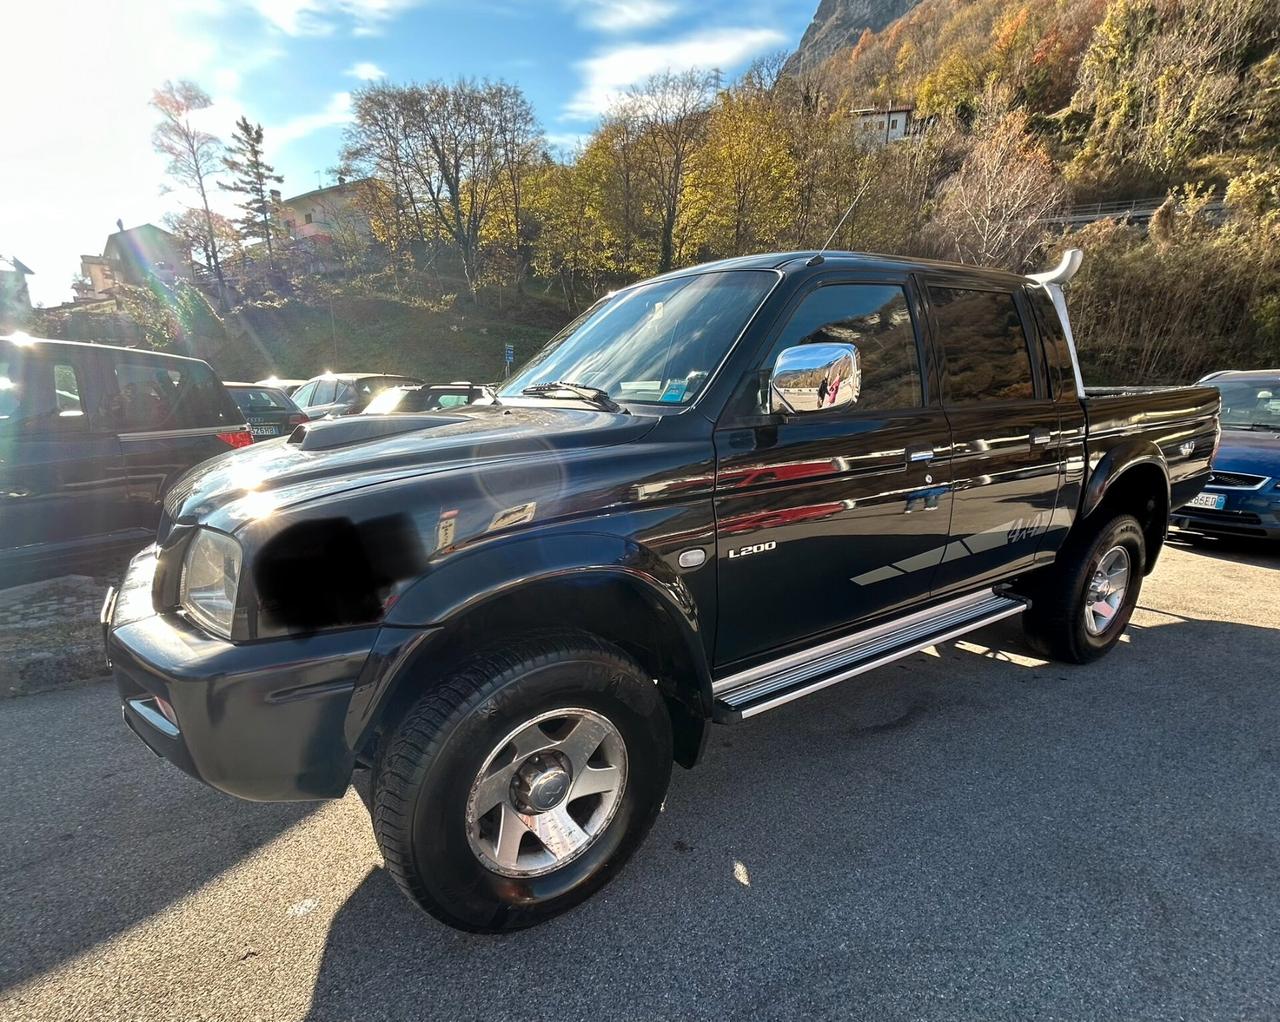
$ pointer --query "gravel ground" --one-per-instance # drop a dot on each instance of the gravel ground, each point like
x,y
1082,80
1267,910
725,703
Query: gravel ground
x,y
972,834
49,634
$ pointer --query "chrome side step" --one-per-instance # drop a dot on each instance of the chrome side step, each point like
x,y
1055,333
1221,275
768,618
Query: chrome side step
x,y
780,681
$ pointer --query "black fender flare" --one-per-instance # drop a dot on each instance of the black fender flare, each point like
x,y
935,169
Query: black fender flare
x,y
1112,468
1115,463
426,610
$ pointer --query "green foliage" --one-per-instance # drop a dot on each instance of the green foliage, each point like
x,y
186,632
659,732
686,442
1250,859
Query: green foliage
x,y
1166,82
252,178
1184,298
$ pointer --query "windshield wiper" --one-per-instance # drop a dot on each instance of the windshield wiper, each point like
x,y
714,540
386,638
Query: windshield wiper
x,y
593,395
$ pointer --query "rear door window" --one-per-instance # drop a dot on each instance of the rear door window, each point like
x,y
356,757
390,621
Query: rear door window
x,y
40,396
985,346
165,395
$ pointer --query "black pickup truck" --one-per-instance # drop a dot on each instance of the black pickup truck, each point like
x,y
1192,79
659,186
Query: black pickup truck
x,y
713,493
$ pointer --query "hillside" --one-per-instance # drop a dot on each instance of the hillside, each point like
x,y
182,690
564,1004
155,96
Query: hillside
x,y
298,339
837,25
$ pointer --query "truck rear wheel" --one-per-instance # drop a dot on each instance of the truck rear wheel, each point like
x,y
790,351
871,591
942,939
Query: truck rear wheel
x,y
518,786
1081,605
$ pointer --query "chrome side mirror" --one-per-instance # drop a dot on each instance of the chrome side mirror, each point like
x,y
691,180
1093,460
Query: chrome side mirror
x,y
815,378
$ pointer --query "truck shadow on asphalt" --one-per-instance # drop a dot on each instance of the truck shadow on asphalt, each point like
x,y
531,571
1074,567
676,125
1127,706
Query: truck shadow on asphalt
x,y
106,838
941,828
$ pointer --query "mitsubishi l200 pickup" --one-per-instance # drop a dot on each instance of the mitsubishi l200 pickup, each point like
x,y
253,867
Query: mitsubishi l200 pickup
x,y
711,494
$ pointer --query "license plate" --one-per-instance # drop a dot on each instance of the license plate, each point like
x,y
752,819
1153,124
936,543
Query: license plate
x,y
1213,501
262,430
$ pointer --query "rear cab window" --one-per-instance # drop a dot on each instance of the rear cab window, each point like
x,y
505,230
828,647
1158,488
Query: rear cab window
x,y
156,395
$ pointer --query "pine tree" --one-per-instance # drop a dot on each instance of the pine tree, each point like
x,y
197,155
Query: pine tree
x,y
252,176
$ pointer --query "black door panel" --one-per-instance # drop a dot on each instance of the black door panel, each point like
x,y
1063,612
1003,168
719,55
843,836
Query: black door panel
x,y
849,528
1005,486
62,479
1005,431
825,518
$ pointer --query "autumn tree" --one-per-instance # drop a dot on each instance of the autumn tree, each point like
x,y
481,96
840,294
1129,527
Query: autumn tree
x,y
207,249
574,241
1162,83
742,176
993,211
376,146
519,142
669,115
193,153
252,178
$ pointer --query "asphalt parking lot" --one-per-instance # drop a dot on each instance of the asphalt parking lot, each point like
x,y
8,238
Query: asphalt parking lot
x,y
970,834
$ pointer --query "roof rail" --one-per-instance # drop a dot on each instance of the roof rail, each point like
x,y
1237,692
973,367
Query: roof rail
x,y
1064,271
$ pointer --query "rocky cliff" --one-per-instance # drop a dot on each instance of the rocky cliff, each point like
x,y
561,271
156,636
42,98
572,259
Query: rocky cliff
x,y
837,24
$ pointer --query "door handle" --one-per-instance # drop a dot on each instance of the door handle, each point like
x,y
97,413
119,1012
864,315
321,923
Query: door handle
x,y
920,454
1039,437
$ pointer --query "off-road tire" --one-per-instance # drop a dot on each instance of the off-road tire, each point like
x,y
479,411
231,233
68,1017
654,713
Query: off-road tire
x,y
429,761
1055,622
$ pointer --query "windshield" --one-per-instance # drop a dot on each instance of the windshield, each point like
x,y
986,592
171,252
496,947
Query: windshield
x,y
655,343
1250,402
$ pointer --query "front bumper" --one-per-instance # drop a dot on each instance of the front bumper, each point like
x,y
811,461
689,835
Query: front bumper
x,y
1245,513
262,720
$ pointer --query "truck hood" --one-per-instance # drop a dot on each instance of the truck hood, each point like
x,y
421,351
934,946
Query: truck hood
x,y
1253,451
328,457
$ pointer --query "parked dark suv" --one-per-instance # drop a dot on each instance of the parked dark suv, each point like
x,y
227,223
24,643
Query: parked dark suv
x,y
90,439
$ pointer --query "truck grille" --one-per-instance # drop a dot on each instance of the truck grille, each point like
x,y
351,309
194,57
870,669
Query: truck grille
x,y
1236,480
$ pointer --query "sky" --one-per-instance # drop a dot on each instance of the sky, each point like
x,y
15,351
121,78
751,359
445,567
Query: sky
x,y
75,126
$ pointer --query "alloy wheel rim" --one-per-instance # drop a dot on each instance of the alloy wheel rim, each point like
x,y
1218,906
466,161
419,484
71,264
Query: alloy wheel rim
x,y
546,792
1106,591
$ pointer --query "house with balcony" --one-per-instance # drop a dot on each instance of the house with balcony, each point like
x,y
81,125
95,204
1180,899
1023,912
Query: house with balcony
x,y
134,256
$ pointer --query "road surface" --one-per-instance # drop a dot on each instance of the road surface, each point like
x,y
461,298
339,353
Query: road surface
x,y
970,834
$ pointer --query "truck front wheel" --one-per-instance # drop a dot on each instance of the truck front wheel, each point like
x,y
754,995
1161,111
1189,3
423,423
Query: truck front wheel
x,y
1082,604
518,785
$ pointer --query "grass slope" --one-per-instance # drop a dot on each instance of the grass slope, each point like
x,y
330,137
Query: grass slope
x,y
302,338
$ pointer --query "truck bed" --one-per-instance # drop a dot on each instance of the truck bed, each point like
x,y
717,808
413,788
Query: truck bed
x,y
1170,418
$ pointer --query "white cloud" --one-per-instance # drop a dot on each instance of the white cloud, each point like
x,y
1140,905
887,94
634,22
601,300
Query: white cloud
x,y
366,71
623,15
567,142
607,75
323,17
336,112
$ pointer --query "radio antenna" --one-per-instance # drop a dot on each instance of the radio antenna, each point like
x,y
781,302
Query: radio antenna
x,y
856,199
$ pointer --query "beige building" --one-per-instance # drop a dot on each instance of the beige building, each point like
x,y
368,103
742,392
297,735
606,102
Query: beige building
x,y
327,215
133,257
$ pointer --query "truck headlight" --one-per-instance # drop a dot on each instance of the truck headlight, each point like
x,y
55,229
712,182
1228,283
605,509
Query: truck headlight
x,y
210,579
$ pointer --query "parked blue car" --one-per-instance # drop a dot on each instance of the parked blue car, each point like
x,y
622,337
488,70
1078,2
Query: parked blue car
x,y
1242,497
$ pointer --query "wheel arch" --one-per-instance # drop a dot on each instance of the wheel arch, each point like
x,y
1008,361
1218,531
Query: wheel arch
x,y
611,587
1133,479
